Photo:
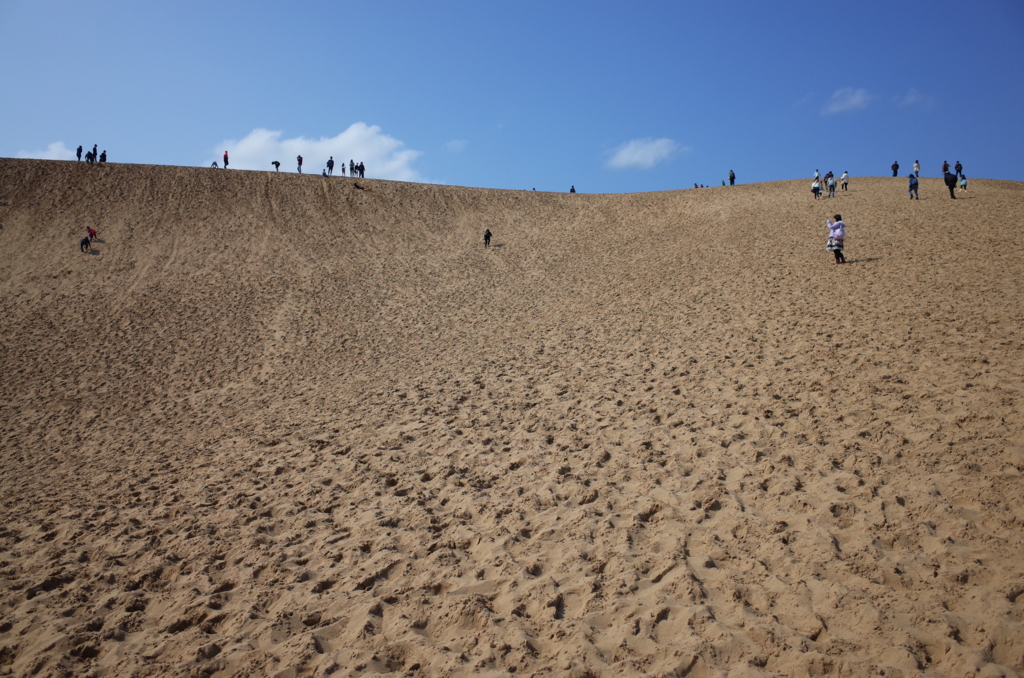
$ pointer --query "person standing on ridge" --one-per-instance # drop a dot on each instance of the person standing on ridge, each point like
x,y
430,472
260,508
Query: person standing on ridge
x,y
572,189
362,170
912,186
816,175
895,168
732,178
330,166
836,236
300,163
352,168
95,153
342,169
917,168
225,159
958,168
945,167
845,179
79,152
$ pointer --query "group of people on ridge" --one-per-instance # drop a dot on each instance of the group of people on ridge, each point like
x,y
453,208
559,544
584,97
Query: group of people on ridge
x,y
948,178
90,156
829,182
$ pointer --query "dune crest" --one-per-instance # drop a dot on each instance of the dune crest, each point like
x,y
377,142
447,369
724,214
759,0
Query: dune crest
x,y
284,425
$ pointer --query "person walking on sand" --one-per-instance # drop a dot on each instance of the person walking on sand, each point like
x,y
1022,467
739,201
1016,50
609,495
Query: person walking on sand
x,y
277,166
895,168
912,186
917,168
836,236
963,183
950,180
330,166
225,159
84,244
958,168
487,238
816,188
831,185
79,152
845,179
732,178
299,158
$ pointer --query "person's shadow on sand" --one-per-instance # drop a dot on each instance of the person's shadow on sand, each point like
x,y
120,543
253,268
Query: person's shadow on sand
x,y
863,261
498,244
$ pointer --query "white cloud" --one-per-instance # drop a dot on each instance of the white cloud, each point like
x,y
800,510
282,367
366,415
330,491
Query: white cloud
x,y
845,100
643,153
385,157
913,98
456,145
55,151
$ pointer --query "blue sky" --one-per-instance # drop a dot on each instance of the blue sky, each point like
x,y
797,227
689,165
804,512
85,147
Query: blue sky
x,y
608,96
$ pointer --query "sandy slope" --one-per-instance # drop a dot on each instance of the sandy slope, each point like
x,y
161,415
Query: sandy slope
x,y
281,425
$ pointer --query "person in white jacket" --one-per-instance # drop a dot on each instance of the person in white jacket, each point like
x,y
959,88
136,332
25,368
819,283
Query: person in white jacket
x,y
836,236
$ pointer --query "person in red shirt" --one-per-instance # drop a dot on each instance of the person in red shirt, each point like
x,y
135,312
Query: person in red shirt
x,y
225,159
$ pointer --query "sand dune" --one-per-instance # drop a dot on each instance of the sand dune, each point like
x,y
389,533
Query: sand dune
x,y
284,425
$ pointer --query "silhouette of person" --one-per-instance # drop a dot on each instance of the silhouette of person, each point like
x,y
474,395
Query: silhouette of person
x,y
351,168
103,156
958,168
277,166
330,165
912,186
950,180
572,189
225,159
95,153
895,168
732,178
79,152
84,244
487,238
299,158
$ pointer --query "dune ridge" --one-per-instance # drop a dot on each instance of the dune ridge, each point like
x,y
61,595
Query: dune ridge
x,y
286,425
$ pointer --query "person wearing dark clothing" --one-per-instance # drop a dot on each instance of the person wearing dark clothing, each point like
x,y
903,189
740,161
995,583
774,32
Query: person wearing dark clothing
x,y
352,168
79,153
277,166
103,156
89,157
323,173
912,186
958,168
300,163
362,171
342,169
225,159
84,244
732,178
95,153
572,189
487,238
895,169
950,180
330,166
945,167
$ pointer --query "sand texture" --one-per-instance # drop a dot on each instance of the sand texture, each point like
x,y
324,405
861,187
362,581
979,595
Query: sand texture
x,y
283,425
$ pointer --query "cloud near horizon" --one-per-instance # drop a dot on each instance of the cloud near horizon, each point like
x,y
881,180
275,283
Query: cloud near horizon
x,y
384,156
643,153
55,151
913,98
845,100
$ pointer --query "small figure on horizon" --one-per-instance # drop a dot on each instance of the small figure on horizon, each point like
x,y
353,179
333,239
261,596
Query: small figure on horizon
x,y
945,167
277,166
912,186
95,153
487,238
732,178
103,156
330,166
79,152
695,186
225,159
816,175
362,170
84,244
963,183
342,169
950,180
214,165
958,168
917,168
836,236
89,157
323,173
572,189
895,168
299,158
845,179
352,168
